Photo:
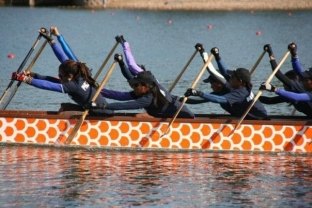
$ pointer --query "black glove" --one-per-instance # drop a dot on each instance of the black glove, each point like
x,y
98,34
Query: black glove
x,y
199,47
267,48
215,52
268,87
292,47
192,92
118,57
120,39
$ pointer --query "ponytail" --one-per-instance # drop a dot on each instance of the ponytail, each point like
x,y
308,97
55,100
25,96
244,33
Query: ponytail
x,y
77,69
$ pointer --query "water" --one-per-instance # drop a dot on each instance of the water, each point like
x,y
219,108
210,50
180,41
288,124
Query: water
x,y
48,177
163,42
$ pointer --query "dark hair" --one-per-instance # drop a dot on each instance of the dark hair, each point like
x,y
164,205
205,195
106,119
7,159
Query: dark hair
x,y
77,69
159,98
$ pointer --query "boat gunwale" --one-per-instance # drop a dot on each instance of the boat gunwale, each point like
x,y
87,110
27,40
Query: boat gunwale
x,y
199,118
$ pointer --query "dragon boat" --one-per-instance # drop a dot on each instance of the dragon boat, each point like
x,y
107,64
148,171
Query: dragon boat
x,y
126,131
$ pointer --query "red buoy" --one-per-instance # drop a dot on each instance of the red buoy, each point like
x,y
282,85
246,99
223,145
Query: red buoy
x,y
11,55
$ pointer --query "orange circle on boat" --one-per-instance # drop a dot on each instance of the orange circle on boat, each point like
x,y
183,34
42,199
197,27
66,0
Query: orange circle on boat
x,y
134,135
165,143
41,125
267,132
185,144
30,132
205,130
247,131
278,139
51,132
20,125
124,128
144,128
288,132
267,146
103,126
226,145
154,136
257,139
256,127
19,138
175,136
236,138
93,133
216,126
124,141
114,134
84,127
278,127
246,145
226,131
9,131
195,125
308,147
41,138
185,130
103,141
195,137
82,140
62,125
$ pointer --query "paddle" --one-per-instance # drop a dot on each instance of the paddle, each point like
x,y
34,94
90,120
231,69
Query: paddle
x,y
105,61
85,113
20,69
182,71
29,68
257,63
260,91
200,74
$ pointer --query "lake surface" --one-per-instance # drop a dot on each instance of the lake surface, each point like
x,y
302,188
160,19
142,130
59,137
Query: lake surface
x,y
163,42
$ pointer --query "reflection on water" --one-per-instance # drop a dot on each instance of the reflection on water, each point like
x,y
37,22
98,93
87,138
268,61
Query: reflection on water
x,y
35,177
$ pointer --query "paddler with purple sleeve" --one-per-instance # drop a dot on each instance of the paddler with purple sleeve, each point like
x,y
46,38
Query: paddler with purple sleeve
x,y
147,92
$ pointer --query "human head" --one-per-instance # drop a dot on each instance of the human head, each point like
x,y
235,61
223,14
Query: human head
x,y
240,77
71,70
291,74
307,79
216,85
142,82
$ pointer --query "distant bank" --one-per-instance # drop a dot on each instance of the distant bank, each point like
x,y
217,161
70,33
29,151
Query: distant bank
x,y
209,5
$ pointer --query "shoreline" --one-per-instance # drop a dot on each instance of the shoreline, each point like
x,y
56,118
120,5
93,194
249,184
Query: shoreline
x,y
210,5
172,5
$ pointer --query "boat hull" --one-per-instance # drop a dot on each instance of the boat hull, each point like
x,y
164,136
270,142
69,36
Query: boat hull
x,y
205,133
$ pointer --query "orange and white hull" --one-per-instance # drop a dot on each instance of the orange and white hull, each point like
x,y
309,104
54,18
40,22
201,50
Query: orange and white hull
x,y
205,133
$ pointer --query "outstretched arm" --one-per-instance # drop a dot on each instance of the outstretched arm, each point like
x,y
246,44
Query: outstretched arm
x,y
279,75
306,97
297,67
68,51
133,67
117,95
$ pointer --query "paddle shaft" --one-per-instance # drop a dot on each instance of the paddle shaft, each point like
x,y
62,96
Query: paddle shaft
x,y
105,61
29,68
200,74
182,71
257,63
21,67
260,91
85,113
